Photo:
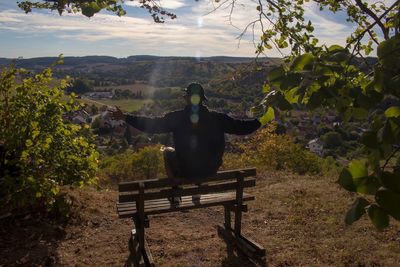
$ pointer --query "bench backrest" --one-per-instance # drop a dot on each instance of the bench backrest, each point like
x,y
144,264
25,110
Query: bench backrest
x,y
162,188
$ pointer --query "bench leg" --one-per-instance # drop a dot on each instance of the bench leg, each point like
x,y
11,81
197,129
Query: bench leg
x,y
139,257
227,213
248,247
135,257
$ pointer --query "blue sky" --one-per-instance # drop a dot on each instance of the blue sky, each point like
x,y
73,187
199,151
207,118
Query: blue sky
x,y
196,31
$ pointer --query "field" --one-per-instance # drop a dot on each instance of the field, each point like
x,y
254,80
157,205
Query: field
x,y
145,88
127,105
298,219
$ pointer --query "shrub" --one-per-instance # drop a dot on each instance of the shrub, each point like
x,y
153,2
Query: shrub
x,y
332,140
267,150
144,164
42,151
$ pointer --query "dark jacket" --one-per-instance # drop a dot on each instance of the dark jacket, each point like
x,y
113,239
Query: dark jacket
x,y
198,136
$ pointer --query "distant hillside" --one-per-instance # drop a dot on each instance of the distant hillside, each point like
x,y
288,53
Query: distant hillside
x,y
41,62
157,71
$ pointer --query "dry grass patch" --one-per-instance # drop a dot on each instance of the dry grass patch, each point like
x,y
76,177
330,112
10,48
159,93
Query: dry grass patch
x,y
298,219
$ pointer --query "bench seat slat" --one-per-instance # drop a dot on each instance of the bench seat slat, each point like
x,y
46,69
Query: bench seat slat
x,y
150,204
164,206
157,202
169,182
203,189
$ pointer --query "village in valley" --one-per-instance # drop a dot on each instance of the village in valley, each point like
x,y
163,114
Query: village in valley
x,y
322,134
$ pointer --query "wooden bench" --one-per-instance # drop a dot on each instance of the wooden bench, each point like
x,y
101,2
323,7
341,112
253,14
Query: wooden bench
x,y
138,199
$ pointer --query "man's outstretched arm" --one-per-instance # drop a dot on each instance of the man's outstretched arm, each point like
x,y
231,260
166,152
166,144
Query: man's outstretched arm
x,y
144,124
240,127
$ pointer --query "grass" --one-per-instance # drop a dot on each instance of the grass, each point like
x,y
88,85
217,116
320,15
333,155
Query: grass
x,y
146,89
127,105
297,218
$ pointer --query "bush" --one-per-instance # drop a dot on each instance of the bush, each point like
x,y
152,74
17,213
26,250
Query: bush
x,y
42,151
332,140
267,150
145,164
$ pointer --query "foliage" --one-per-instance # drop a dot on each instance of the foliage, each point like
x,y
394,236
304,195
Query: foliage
x,y
332,140
319,76
268,150
42,151
91,7
129,165
329,77
80,86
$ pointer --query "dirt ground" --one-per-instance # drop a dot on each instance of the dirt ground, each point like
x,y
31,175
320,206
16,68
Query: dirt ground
x,y
298,219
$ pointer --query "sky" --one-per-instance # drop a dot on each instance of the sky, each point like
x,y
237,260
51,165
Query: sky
x,y
198,31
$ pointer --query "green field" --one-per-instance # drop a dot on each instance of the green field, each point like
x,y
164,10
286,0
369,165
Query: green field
x,y
127,105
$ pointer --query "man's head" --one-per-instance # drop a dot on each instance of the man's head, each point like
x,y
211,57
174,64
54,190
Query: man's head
x,y
194,94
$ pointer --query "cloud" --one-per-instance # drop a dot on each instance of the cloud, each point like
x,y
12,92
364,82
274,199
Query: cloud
x,y
200,29
167,4
326,30
172,38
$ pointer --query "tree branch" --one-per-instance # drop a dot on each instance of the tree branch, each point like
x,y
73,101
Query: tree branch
x,y
378,21
390,157
372,25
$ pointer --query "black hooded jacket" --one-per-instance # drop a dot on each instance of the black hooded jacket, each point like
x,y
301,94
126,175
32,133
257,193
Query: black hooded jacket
x,y
198,136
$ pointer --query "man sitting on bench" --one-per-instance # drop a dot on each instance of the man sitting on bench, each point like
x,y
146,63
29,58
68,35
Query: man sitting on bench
x,y
198,134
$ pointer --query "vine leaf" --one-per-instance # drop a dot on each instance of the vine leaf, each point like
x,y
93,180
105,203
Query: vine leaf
x,y
356,210
389,201
378,216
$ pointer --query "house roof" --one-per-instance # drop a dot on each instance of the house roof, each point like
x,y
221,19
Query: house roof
x,y
315,141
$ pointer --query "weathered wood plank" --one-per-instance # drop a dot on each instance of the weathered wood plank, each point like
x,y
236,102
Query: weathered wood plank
x,y
135,258
140,210
164,201
239,201
252,250
227,215
148,258
169,182
202,189
186,205
155,202
186,199
260,250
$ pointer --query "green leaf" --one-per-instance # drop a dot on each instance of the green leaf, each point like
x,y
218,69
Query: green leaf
x,y
276,76
340,56
367,184
292,96
387,51
369,139
360,113
334,48
302,62
266,88
315,100
389,201
391,181
387,47
358,169
392,112
387,134
356,210
89,9
355,179
268,116
378,216
378,82
291,80
346,180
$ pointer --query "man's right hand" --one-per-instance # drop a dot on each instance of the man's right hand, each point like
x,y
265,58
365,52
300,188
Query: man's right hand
x,y
117,114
